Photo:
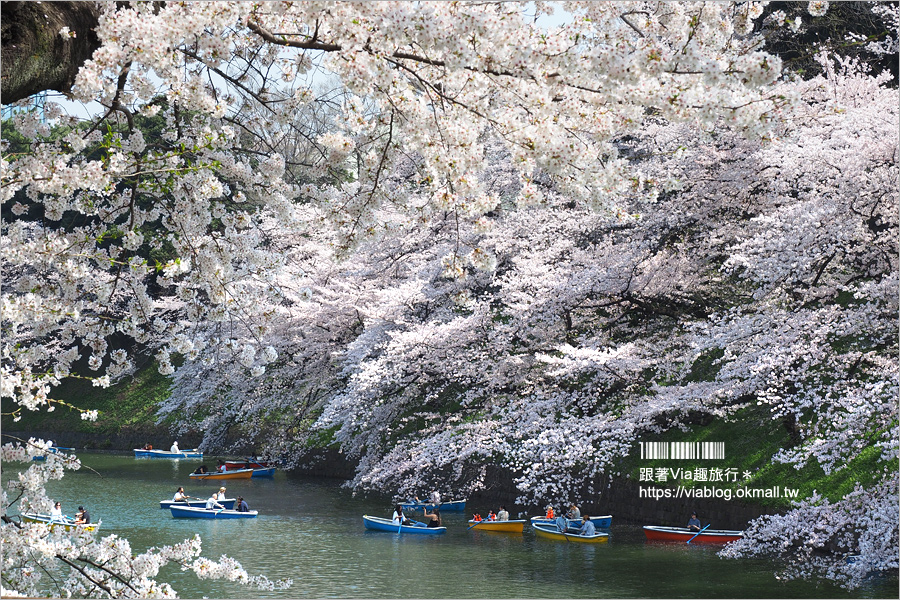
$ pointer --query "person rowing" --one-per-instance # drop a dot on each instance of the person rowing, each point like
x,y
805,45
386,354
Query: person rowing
x,y
398,518
213,504
562,523
180,496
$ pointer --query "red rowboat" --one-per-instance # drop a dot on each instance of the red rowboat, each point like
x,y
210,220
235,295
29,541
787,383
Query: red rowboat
x,y
239,474
248,464
656,533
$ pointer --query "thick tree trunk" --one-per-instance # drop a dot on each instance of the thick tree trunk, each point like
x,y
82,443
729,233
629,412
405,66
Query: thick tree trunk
x,y
35,58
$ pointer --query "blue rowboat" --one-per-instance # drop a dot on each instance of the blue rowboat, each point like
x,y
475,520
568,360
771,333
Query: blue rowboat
x,y
379,524
52,449
227,503
264,472
189,512
551,532
141,453
602,522
453,505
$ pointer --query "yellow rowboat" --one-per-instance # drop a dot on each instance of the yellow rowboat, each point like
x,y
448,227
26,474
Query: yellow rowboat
x,y
67,523
552,533
506,526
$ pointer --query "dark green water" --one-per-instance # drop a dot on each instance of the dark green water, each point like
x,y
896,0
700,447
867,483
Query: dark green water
x,y
311,530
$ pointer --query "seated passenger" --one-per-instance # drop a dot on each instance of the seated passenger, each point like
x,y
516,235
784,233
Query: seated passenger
x,y
587,526
435,518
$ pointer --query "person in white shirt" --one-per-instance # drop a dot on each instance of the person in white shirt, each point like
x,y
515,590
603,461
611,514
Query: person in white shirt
x,y
56,512
398,518
212,504
174,447
180,496
503,515
435,498
221,494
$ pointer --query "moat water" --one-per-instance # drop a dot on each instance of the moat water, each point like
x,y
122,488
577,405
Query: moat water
x,y
311,531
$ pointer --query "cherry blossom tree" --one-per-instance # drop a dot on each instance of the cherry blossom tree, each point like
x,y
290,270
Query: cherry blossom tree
x,y
540,231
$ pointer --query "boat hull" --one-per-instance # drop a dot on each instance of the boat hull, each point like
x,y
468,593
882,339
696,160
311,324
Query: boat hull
x,y
380,524
248,464
67,524
228,503
188,454
504,526
264,472
601,522
453,505
239,474
551,533
188,512
656,533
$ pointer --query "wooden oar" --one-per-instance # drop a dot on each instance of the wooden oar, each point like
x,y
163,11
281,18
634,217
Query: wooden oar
x,y
699,532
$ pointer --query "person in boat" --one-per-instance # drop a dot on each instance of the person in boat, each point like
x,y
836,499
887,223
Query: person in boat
x,y
550,514
221,494
148,447
694,522
491,516
220,466
502,514
435,518
56,512
82,517
180,496
213,503
201,470
398,518
574,512
435,498
587,526
174,449
562,523
242,505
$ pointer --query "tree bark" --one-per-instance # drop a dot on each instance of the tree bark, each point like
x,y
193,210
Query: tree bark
x,y
36,57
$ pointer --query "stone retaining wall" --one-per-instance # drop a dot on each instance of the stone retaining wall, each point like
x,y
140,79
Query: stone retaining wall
x,y
126,439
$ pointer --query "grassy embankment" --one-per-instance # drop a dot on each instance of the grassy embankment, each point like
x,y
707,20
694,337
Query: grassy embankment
x,y
131,404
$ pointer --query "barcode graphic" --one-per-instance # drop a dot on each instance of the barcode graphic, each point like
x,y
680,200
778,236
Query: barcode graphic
x,y
683,450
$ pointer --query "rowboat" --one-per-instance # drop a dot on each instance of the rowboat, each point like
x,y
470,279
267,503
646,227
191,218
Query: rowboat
x,y
601,522
141,453
67,523
380,524
551,532
227,503
264,472
683,534
54,450
250,463
453,505
190,512
239,474
505,526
